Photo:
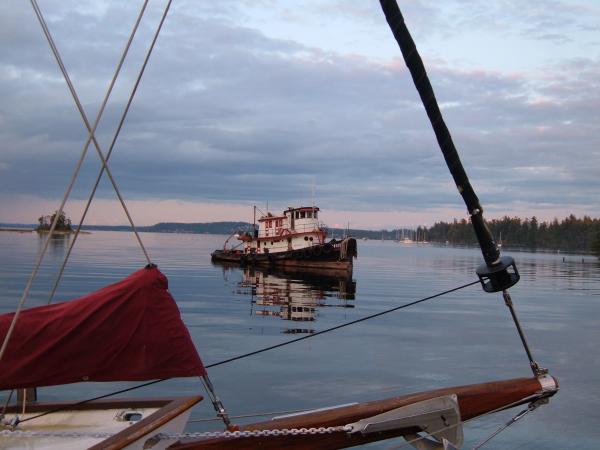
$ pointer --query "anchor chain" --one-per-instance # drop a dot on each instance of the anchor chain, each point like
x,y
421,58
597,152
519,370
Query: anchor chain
x,y
205,435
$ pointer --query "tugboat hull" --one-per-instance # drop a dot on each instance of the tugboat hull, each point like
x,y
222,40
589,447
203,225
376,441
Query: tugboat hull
x,y
336,255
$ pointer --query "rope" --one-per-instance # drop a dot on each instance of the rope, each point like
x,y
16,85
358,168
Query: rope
x,y
215,400
271,432
86,122
52,227
8,399
89,139
67,407
211,419
78,167
337,327
264,349
279,432
409,439
24,401
514,419
344,249
246,416
111,147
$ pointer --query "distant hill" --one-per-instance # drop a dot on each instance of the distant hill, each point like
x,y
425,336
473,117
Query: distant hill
x,y
223,228
232,227
571,234
174,227
27,226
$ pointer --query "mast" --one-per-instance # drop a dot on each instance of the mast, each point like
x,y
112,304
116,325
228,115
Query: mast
x,y
499,278
497,273
425,90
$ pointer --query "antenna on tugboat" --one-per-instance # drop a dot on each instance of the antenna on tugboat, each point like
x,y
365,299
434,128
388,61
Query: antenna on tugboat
x,y
498,273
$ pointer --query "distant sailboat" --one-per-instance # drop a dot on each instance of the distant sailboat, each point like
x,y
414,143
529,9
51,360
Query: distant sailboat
x,y
406,239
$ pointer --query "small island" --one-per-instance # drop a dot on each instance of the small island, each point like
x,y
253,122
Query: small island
x,y
63,224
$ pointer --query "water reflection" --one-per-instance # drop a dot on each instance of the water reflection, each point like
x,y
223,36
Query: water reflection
x,y
293,296
59,242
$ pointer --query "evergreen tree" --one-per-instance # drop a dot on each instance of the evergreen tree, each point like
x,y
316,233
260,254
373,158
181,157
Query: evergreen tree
x,y
62,224
571,234
595,247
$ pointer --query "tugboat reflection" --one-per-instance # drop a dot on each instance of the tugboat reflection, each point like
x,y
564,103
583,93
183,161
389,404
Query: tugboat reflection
x,y
295,296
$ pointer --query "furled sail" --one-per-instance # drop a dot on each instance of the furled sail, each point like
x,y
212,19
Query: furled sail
x,y
130,330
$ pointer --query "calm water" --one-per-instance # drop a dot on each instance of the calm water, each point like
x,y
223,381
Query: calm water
x,y
464,337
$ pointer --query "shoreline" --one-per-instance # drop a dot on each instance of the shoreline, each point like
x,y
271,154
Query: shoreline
x,y
17,230
33,230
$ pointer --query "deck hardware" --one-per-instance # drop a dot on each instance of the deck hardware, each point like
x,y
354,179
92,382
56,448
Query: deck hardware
x,y
129,416
535,367
498,276
439,417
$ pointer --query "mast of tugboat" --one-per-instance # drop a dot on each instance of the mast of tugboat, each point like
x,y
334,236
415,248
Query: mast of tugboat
x,y
497,273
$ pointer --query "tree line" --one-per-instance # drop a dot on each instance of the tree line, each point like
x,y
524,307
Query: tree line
x,y
570,234
62,224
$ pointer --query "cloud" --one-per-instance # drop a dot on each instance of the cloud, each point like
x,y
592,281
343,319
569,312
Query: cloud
x,y
226,113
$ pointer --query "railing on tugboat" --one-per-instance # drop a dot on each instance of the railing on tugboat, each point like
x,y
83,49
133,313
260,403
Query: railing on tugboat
x,y
299,228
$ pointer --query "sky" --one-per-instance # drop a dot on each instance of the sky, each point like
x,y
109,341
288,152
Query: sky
x,y
294,103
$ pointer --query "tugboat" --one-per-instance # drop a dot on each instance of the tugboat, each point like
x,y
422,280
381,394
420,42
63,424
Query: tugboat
x,y
294,239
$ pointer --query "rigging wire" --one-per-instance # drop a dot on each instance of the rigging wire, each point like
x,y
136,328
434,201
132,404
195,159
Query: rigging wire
x,y
531,407
372,316
245,416
337,327
86,122
8,399
89,139
52,227
105,167
82,402
92,137
110,149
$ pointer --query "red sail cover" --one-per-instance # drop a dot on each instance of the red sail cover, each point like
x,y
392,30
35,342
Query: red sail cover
x,y
130,330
